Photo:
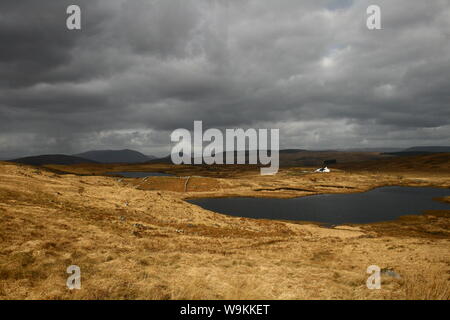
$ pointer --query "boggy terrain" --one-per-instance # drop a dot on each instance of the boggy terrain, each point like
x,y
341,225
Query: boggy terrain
x,y
139,239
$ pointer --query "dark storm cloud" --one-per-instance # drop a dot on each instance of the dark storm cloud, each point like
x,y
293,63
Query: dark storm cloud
x,y
139,69
35,43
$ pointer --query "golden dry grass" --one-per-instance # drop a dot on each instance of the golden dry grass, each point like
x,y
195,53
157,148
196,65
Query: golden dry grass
x,y
431,286
150,244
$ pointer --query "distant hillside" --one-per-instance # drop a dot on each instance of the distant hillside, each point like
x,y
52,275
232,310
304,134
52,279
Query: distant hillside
x,y
374,149
416,151
304,158
434,149
115,156
150,157
285,151
52,159
166,159
435,162
318,158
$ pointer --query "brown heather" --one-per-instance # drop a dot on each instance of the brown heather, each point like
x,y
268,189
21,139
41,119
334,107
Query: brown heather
x,y
136,239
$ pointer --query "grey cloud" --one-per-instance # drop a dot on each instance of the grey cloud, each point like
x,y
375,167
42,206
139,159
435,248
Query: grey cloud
x,y
139,69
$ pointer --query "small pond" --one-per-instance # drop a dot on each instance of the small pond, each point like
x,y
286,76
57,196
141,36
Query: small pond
x,y
381,204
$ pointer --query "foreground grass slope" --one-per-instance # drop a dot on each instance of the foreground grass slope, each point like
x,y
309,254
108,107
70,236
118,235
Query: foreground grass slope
x,y
132,241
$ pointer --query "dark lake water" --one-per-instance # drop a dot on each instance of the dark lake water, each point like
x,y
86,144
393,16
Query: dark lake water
x,y
381,204
139,174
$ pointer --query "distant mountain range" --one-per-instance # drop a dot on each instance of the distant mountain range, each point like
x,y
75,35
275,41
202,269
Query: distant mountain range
x,y
288,157
95,156
301,157
372,149
435,162
416,151
115,156
52,159
433,149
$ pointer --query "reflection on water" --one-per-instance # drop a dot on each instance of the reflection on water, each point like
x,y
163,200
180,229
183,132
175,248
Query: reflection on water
x,y
387,203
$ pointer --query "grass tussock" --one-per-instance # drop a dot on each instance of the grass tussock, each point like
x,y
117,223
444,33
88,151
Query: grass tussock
x,y
435,286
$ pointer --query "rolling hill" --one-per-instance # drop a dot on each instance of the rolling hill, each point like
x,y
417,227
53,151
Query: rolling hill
x,y
305,158
437,162
52,159
416,151
115,156
433,149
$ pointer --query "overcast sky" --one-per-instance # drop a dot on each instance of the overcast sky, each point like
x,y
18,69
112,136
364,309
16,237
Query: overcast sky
x,y
139,69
